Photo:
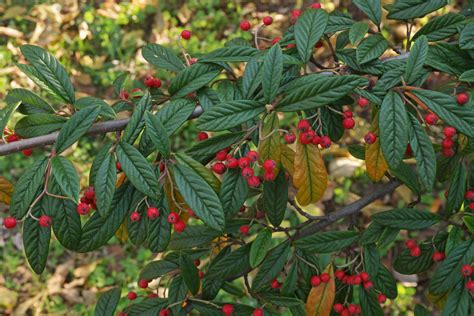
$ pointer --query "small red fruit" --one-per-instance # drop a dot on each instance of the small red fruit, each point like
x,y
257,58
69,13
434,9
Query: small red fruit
x,y
469,195
165,312
118,166
289,138
338,307
316,6
276,40
186,34
221,155
268,20
124,95
162,166
200,274
179,226
352,309
368,285
325,141
269,175
13,138
447,143
348,123
364,276
317,140
438,256
252,155
370,138
156,83
132,295
244,230
339,274
462,98
257,312
304,125
148,81
143,283
471,205
244,162
470,285
315,280
27,152
356,280
247,172
448,152
348,113
307,137
45,221
232,163
152,213
290,46
245,25
325,277
90,193
410,243
219,168
197,262
135,217
449,131
9,222
466,270
275,284
173,218
227,309
254,181
415,252
202,136
382,298
431,118
362,102
345,312
83,208
269,164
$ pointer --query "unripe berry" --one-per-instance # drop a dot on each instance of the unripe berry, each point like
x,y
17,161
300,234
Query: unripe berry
x,y
179,226
462,98
232,163
315,280
90,193
45,221
152,213
370,138
289,138
339,274
257,312
202,136
362,102
307,137
143,283
470,285
276,40
252,155
268,20
244,162
466,270
253,182
275,284
348,123
364,276
469,195
447,143
245,25
227,309
449,131
135,217
410,243
148,81
415,252
381,298
325,141
186,34
244,230
132,295
173,218
165,312
304,125
247,172
325,277
9,222
438,256
368,285
431,119
338,307
83,209
269,175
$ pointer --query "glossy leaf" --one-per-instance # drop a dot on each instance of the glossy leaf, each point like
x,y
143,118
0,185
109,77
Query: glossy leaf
x,y
309,28
158,133
458,302
272,265
189,273
416,60
162,57
272,73
275,197
327,242
372,8
66,176
230,265
201,170
105,184
260,247
440,27
192,78
409,9
137,120
38,124
406,218
233,192
36,242
30,104
107,303
357,32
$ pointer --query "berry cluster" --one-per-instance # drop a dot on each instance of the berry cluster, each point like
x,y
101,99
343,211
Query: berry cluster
x,y
470,197
355,279
415,250
448,142
178,224
87,202
350,309
308,135
12,137
11,222
152,82
466,271
316,280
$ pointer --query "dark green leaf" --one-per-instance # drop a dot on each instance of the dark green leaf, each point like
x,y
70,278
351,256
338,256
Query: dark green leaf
x,y
407,264
416,59
272,266
5,114
66,176
283,301
252,78
385,282
467,76
290,283
192,79
105,184
234,190
231,54
38,124
420,310
162,57
208,97
260,247
36,242
99,158
106,111
371,48
371,8
338,21
371,260
405,173
272,73
327,242
309,28
147,307
158,133
448,58
158,232
440,27
369,303
205,150
137,121
230,265
119,82
357,32
193,236
189,273
30,102
458,301
275,195
107,303
156,269
349,57
406,218
457,188
466,39
409,9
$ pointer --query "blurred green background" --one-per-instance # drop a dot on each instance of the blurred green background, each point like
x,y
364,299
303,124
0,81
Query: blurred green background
x,y
96,41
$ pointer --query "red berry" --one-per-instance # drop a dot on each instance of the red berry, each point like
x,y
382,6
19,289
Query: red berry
x,y
186,34
317,140
449,131
244,162
9,222
352,309
304,125
221,155
143,283
368,285
408,151
469,195
348,123
45,221
269,164
319,44
124,95
364,276
252,155
244,229
431,118
90,193
471,206
245,25
227,309
83,209
242,209
162,166
259,214
268,20
254,181
200,274
315,280
348,113
290,46
247,172
307,137
462,98
179,226
173,218
257,312
370,138
356,280
339,274
415,252
27,152
152,213
13,138
135,217
165,312
447,143
382,298
325,141
148,81
276,40
289,138
448,152
232,163
316,6
338,307
345,312
156,83
132,295
275,284
325,277
197,262
466,270
202,136
269,176
219,168
362,102
295,13
118,166
410,243
470,285
438,256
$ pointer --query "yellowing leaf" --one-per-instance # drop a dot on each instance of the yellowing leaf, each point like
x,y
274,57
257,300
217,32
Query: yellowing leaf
x,y
6,190
374,159
173,197
269,147
287,158
120,179
310,175
321,297
122,233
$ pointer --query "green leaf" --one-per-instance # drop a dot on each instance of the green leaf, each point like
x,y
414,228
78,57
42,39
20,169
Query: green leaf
x,y
230,265
309,28
5,114
404,172
424,153
229,114
338,21
106,111
201,170
158,133
189,273
230,54
371,48
104,184
252,78
457,189
98,230
177,292
448,58
38,124
420,310
119,82
204,151
75,127
107,303
393,122
371,8
275,195
50,72
272,266
349,57
458,302
272,73
137,121
192,79
332,122
26,188
448,273
156,269
233,192
193,236
208,97
385,282
283,301
467,76
158,231
66,176
36,242
30,102
371,260
200,196
357,32
147,307
369,303
319,90
99,158
327,242
440,27
409,9
406,218
407,264
260,247
290,283
466,39
162,57
416,59
137,169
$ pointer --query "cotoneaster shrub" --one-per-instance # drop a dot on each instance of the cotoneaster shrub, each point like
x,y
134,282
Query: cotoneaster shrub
x,y
215,210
